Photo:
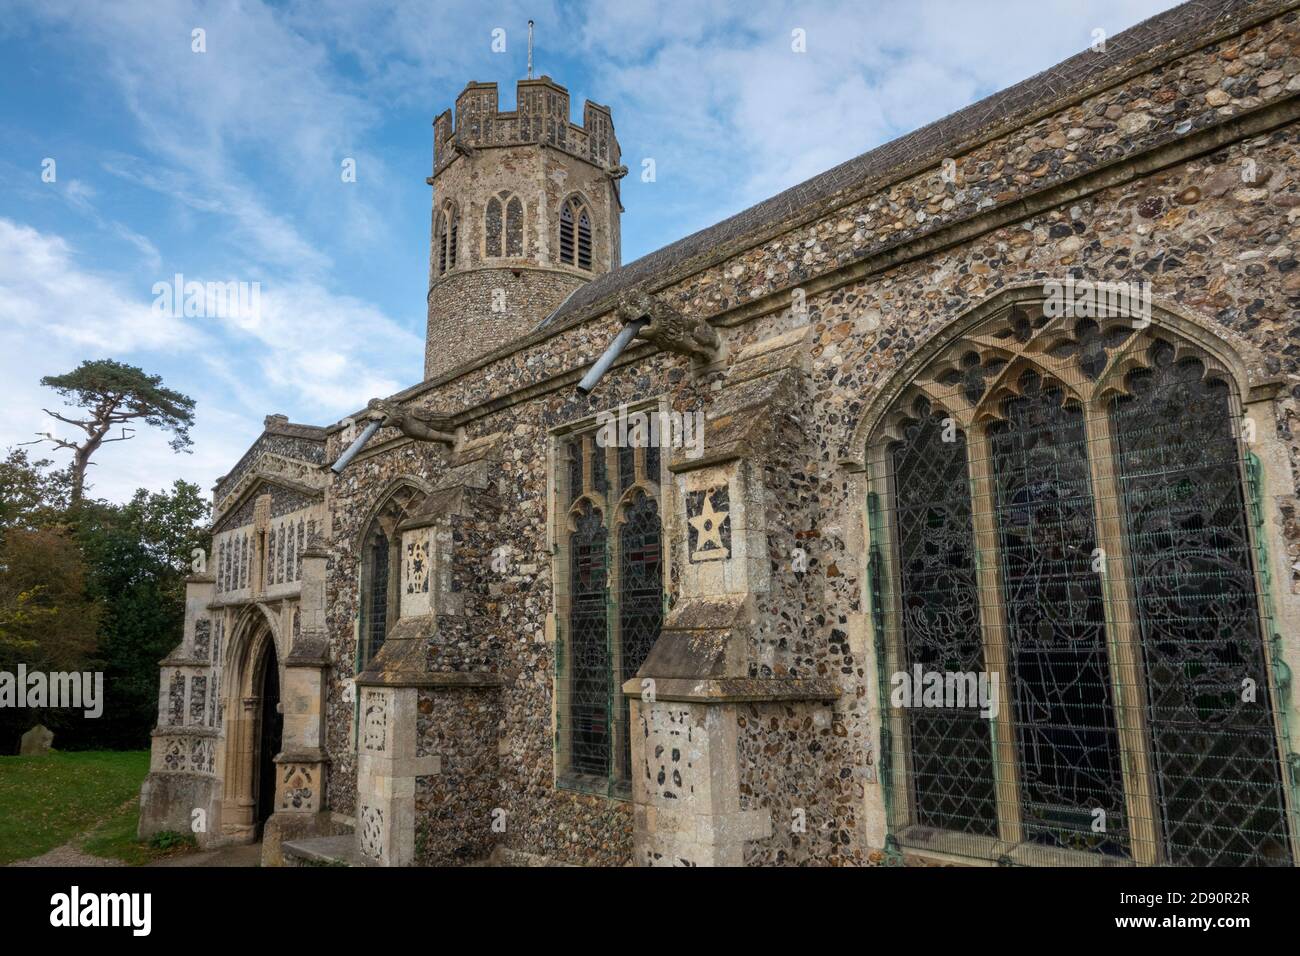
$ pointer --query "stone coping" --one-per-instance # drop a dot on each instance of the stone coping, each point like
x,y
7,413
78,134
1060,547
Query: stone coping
x,y
182,731
302,756
180,660
431,679
726,690
327,851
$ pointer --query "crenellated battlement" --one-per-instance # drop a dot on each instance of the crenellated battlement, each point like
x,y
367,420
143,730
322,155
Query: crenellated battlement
x,y
541,115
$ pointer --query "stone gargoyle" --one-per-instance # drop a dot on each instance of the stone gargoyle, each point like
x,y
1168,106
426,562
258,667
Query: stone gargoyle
x,y
417,423
668,328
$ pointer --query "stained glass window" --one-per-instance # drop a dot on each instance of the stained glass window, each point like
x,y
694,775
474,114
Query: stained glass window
x,y
1214,750
952,756
611,609
1069,513
376,619
380,563
590,693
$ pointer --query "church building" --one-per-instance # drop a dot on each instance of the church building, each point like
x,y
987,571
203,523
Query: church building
x,y
941,509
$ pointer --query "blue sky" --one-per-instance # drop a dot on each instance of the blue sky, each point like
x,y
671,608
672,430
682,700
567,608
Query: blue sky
x,y
225,165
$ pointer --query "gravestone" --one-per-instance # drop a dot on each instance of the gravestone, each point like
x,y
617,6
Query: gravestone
x,y
37,741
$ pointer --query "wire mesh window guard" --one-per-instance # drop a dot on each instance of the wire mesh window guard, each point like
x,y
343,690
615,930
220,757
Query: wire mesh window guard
x,y
611,609
376,623
1067,509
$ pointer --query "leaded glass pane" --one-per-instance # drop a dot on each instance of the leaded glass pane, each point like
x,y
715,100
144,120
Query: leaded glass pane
x,y
641,600
1218,776
951,755
599,468
377,595
1064,719
626,467
589,677
575,469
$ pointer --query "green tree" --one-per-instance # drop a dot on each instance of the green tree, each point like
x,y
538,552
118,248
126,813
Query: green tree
x,y
47,619
31,495
139,555
113,394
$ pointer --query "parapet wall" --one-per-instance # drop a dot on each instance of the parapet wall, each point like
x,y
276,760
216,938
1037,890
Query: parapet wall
x,y
541,115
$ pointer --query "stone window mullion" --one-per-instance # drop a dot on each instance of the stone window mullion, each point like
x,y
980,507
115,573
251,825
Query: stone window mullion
x,y
1124,637
993,627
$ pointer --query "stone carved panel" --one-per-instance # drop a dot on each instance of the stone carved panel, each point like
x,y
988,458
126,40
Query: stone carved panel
x,y
372,832
708,522
202,638
174,756
415,573
176,700
374,721
202,755
198,699
186,754
668,753
298,787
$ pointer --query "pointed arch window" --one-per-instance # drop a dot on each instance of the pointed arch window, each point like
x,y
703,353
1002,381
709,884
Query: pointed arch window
x,y
503,226
514,227
492,223
380,584
610,606
375,622
575,234
445,238
1064,502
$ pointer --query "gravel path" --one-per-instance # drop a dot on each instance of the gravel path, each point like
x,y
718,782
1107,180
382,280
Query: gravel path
x,y
67,855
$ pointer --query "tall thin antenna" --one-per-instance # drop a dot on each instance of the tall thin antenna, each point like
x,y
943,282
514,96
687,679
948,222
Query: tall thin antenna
x,y
530,49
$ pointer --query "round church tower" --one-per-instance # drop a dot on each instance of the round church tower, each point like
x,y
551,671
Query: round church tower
x,y
525,210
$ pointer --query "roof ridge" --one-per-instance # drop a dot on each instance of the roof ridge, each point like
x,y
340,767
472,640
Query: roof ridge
x,y
1074,76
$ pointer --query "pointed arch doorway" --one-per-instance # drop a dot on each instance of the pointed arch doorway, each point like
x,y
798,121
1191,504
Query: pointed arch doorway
x,y
270,734
254,725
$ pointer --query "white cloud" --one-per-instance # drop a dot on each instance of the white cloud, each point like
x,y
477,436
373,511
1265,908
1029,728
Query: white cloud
x,y
732,114
55,313
49,298
244,142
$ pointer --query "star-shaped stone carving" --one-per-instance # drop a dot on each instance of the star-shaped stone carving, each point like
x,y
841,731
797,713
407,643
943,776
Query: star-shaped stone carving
x,y
708,528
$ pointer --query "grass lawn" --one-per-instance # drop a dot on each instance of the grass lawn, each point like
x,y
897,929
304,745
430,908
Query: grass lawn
x,y
47,801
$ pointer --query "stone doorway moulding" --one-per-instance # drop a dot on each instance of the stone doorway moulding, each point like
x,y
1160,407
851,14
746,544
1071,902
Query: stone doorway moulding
x,y
253,647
